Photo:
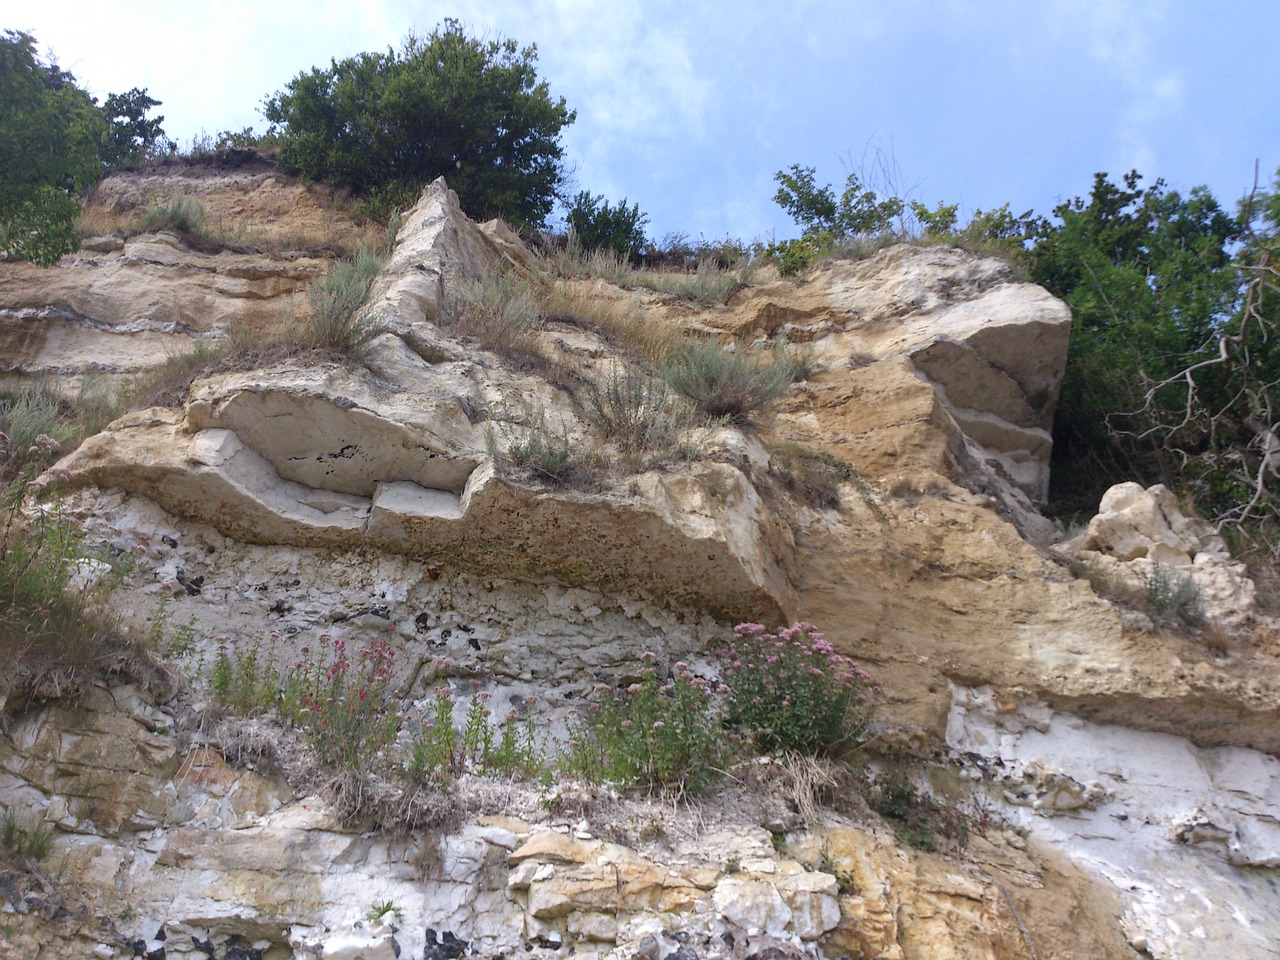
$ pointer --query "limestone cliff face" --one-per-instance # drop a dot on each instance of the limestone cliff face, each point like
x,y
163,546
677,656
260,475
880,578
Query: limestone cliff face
x,y
363,501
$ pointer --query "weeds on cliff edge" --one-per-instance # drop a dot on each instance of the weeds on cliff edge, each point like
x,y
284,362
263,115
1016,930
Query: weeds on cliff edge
x,y
499,309
37,410
535,450
1172,594
706,279
735,384
789,691
336,300
638,414
184,216
816,476
918,819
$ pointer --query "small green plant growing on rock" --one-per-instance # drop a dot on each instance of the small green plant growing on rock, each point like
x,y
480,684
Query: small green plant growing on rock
x,y
24,841
917,819
656,732
381,910
1172,593
546,455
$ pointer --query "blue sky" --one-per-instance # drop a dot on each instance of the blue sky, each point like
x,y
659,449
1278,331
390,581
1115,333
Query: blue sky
x,y
689,108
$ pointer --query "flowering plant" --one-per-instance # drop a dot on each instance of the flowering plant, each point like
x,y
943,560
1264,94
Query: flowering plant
x,y
343,704
790,690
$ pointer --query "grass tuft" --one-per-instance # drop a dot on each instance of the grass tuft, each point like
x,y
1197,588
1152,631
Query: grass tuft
x,y
638,414
546,455
336,300
733,384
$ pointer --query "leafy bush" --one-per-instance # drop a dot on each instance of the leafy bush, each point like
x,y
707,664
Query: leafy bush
x,y
818,211
35,411
595,225
656,732
50,135
1148,276
130,137
336,299
733,384
446,104
790,690
794,257
55,141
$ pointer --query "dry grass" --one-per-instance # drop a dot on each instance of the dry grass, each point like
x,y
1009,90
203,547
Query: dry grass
x,y
620,324
207,233
709,284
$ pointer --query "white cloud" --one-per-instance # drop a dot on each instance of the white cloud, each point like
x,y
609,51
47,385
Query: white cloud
x,y
1122,39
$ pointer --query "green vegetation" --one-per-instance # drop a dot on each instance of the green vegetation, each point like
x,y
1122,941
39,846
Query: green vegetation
x,y
918,819
52,621
595,225
336,300
22,841
710,282
816,476
1172,594
544,454
55,141
184,216
790,692
735,384
50,135
661,727
653,733
637,413
446,104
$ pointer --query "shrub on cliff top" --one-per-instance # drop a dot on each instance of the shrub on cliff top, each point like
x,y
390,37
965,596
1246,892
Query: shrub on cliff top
x,y
447,104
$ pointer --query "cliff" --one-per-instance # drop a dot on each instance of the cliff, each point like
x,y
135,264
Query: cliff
x,y
1118,772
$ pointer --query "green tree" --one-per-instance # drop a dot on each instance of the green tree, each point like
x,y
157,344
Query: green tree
x,y
131,137
448,104
1149,278
50,136
1217,416
819,211
596,225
